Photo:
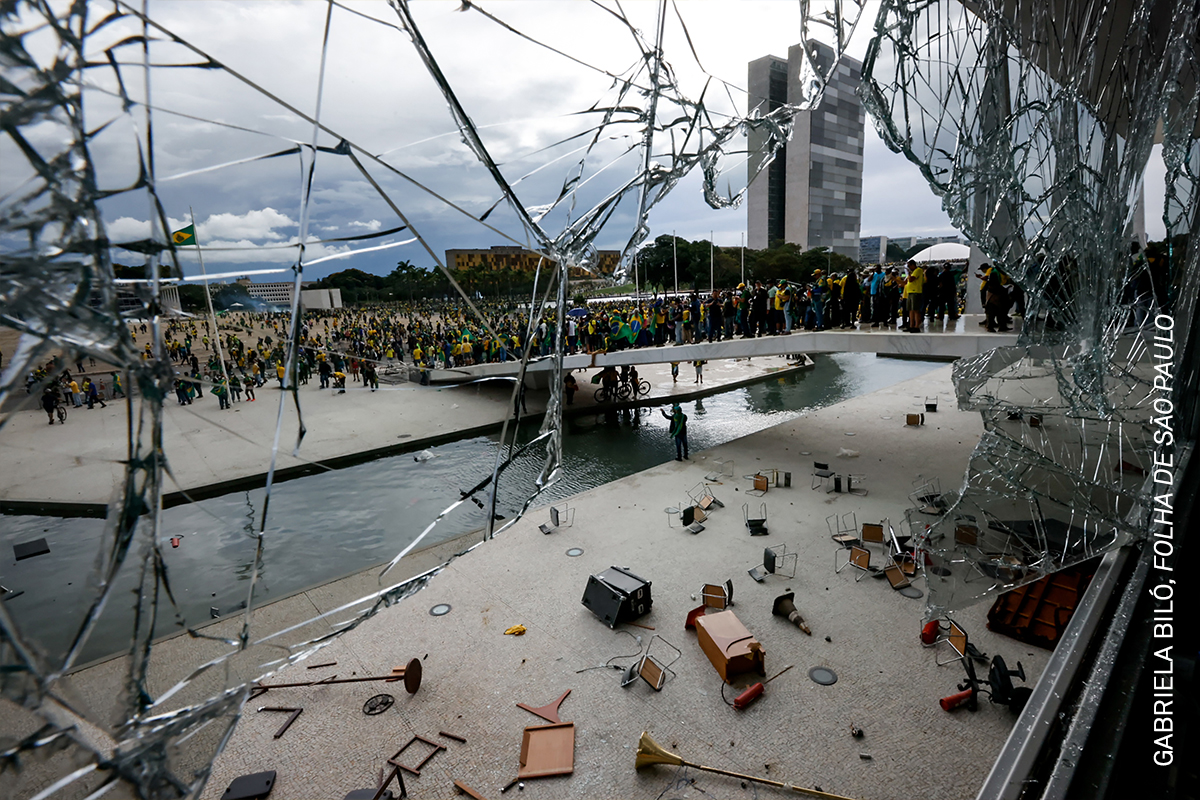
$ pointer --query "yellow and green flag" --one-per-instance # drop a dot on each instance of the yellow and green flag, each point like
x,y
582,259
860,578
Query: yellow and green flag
x,y
184,236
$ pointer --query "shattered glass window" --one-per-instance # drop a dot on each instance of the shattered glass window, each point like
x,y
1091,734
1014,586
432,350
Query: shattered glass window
x,y
117,115
1034,123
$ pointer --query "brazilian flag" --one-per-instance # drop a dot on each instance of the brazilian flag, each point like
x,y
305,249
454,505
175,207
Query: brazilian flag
x,y
184,236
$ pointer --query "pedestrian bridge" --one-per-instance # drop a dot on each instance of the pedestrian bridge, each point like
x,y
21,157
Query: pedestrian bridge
x,y
950,341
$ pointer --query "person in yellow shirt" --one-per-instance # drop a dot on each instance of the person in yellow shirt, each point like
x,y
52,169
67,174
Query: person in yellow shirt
x,y
914,290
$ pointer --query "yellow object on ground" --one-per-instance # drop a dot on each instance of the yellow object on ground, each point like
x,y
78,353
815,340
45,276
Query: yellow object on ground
x,y
515,630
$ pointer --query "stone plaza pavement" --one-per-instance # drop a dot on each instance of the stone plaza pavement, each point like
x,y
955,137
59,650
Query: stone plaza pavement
x,y
888,684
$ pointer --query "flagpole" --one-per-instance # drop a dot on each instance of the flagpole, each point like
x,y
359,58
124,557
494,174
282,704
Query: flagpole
x,y
675,262
712,274
211,313
742,242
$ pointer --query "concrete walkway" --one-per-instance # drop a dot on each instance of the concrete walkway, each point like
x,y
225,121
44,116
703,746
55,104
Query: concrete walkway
x,y
939,340
888,685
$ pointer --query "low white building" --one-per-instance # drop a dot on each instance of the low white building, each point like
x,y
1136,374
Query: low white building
x,y
320,298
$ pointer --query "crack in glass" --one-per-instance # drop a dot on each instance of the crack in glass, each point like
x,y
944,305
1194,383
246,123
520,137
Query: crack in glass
x,y
89,86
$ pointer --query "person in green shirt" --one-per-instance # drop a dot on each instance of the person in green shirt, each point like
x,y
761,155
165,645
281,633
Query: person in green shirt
x,y
678,430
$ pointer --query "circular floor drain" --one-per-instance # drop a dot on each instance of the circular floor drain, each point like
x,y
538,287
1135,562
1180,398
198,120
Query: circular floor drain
x,y
823,675
575,551
911,591
440,610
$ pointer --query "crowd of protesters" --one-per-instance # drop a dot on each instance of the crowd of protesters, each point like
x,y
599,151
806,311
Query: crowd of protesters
x,y
353,345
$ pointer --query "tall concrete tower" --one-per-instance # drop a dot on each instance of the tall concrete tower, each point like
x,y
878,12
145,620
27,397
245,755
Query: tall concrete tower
x,y
811,194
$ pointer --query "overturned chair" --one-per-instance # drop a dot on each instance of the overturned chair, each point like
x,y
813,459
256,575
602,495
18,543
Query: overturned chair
x,y
776,561
857,557
757,525
691,517
560,517
717,595
702,497
650,667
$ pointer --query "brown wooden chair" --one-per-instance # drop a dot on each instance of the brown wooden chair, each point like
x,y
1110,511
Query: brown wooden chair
x,y
717,595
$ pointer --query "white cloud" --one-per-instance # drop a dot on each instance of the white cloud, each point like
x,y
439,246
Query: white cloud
x,y
373,225
258,224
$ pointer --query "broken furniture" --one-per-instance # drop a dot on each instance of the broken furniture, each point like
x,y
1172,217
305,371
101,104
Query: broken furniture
x,y
858,557
295,712
650,668
776,560
548,712
409,673
703,498
821,474
416,771
785,606
617,595
717,595
37,547
731,648
383,792
931,404
369,794
692,517
255,786
560,517
468,791
758,525
1037,613
914,420
547,750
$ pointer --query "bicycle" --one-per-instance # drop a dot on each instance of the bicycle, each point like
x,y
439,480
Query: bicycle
x,y
605,395
643,388
61,412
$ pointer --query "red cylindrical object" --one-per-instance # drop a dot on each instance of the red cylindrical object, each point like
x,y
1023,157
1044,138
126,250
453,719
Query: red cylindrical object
x,y
747,697
955,700
930,632
175,540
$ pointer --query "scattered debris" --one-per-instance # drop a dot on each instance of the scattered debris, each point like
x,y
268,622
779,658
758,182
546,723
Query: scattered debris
x,y
515,630
37,547
255,786
319,666
548,712
453,736
856,731
416,771
378,704
547,750
468,791
295,712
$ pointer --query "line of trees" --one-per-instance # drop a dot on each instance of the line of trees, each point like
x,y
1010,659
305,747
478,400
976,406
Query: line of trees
x,y
657,263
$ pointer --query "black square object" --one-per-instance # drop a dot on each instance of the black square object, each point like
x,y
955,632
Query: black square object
x,y
769,560
255,786
368,794
617,595
37,547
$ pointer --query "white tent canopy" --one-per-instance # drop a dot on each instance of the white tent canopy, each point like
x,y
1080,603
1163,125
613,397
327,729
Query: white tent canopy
x,y
946,251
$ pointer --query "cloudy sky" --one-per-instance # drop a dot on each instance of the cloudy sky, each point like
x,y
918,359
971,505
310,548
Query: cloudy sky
x,y
225,140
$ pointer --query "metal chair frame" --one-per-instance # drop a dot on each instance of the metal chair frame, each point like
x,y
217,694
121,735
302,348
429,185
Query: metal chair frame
x,y
857,557
821,474
775,561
